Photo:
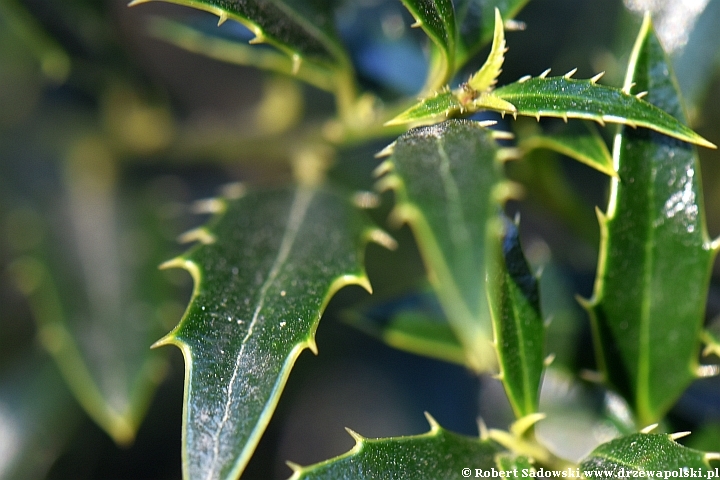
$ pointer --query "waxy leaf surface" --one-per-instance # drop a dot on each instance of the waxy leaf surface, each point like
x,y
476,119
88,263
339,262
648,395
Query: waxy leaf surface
x,y
445,178
589,148
642,453
302,29
437,19
649,299
564,97
264,271
430,456
476,22
518,324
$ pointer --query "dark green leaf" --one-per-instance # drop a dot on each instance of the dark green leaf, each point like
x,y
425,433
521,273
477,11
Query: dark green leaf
x,y
589,149
98,312
265,269
646,321
303,29
437,19
438,454
416,331
441,104
564,97
446,179
519,329
642,453
476,21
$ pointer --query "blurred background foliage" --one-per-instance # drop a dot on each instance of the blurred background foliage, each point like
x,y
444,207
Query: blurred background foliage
x,y
109,133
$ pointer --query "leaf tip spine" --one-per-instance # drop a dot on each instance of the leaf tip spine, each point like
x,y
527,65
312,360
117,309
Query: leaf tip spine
x,y
294,466
649,428
434,425
524,78
483,429
366,200
222,18
208,205
597,77
356,436
544,74
549,360
382,238
389,182
678,435
705,371
201,234
296,63
502,135
312,345
385,152
569,74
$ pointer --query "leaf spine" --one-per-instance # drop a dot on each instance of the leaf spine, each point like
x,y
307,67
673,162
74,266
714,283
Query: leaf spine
x,y
482,428
201,235
712,456
679,435
312,345
356,436
544,74
597,77
524,78
389,182
649,428
417,24
366,200
294,466
549,360
641,94
383,239
209,205
626,89
569,74
705,371
222,18
259,38
434,425
502,135
522,425
296,62
385,152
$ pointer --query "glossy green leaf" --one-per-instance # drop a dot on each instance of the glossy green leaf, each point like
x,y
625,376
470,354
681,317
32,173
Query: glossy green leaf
x,y
264,270
414,330
589,148
646,322
230,51
643,453
97,314
38,416
564,97
446,179
476,23
430,456
437,19
443,103
518,325
304,30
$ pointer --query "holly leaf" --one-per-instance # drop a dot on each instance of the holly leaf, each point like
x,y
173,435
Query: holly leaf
x,y
642,453
446,180
564,97
646,323
437,19
430,456
519,327
264,270
476,23
589,148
